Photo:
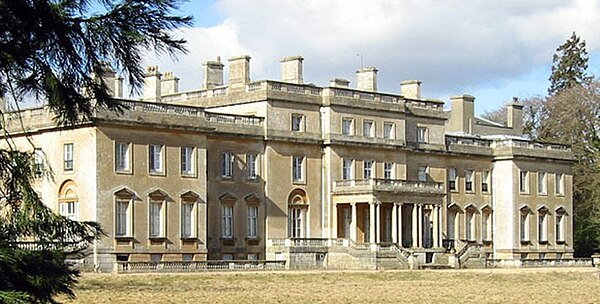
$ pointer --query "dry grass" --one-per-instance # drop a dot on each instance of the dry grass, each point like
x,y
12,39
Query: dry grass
x,y
558,285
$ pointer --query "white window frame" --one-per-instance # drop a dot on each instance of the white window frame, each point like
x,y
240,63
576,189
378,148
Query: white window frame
x,y
347,169
486,225
297,221
542,183
68,163
252,165
156,217
252,222
227,221
156,158
452,177
389,130
469,184
368,172
470,225
122,156
297,122
422,134
298,168
422,175
69,209
524,181
524,221
560,218
188,219
388,171
485,181
543,226
123,217
227,162
347,126
368,128
188,163
559,184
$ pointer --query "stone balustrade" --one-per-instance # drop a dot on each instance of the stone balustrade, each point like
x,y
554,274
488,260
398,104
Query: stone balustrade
x,y
197,266
375,184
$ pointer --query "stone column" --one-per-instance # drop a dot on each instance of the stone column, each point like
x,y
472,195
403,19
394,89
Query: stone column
x,y
399,224
394,223
371,223
378,223
436,225
353,223
420,224
415,226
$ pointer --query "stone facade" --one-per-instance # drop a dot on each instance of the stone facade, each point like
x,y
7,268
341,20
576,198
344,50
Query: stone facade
x,y
331,177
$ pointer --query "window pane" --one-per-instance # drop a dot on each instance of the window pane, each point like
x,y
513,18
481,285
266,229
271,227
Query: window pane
x,y
68,157
186,220
187,160
121,228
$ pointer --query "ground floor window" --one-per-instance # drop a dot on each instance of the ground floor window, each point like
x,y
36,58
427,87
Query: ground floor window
x,y
297,219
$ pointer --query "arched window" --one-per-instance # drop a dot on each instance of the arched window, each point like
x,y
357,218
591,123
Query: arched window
x,y
68,200
297,214
452,221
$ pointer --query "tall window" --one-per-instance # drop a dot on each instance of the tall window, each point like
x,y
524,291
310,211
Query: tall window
x,y
486,225
187,160
559,184
542,226
524,220
296,221
422,174
485,181
227,164
298,168
388,130
157,217
123,217
368,130
388,171
121,156
468,180
422,135
347,126
470,225
297,122
38,161
560,227
542,183
155,158
524,182
69,210
68,157
187,219
252,228
367,169
452,179
251,166
227,221
347,172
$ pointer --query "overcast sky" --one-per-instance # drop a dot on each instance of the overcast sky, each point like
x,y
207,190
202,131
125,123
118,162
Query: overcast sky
x,y
492,49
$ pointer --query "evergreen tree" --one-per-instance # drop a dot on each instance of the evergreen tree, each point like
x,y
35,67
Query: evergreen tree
x,y
50,49
569,64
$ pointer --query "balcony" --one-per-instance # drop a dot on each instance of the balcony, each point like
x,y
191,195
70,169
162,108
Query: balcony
x,y
364,186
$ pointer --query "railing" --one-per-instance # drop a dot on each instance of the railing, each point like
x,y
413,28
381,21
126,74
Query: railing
x,y
388,184
288,87
169,266
306,242
354,94
467,141
530,145
234,119
151,107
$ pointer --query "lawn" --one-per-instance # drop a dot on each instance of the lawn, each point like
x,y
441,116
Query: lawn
x,y
547,285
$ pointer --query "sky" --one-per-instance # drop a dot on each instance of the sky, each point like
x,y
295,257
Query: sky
x,y
492,49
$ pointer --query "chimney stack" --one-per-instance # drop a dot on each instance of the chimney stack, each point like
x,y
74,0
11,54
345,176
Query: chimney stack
x,y
411,89
152,84
514,116
339,83
213,74
462,113
169,84
239,72
291,69
366,79
118,87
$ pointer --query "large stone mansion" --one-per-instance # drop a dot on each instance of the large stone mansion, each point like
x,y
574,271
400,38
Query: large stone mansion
x,y
332,177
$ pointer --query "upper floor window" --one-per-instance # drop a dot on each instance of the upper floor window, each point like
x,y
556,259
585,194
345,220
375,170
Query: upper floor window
x,y
542,183
227,164
297,122
155,158
367,169
388,171
452,179
122,156
368,130
468,180
298,168
388,130
485,181
252,166
347,126
187,161
347,166
422,136
38,161
423,173
524,182
68,157
559,184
